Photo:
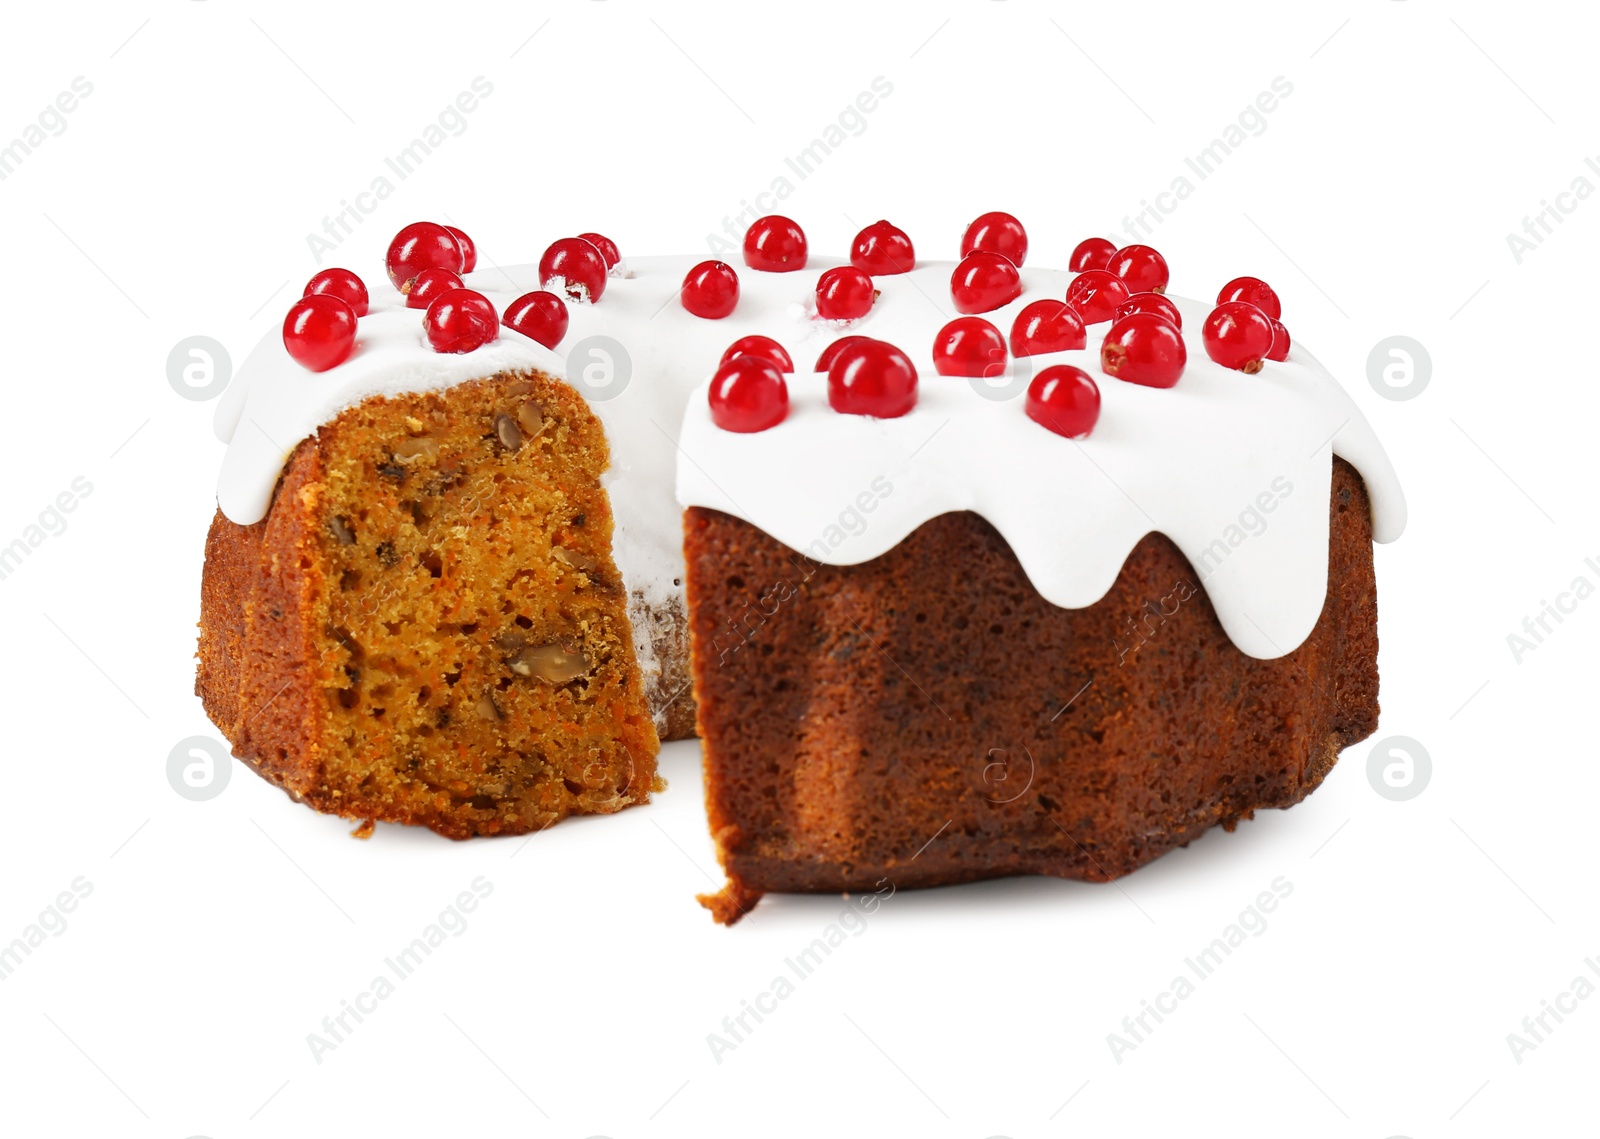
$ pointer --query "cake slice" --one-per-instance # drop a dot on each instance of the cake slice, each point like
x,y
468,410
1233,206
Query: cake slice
x,y
428,626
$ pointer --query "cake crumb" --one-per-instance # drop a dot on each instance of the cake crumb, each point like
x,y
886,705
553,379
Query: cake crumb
x,y
730,903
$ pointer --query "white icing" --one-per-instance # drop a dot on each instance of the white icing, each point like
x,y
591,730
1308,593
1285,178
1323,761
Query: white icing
x,y
1187,461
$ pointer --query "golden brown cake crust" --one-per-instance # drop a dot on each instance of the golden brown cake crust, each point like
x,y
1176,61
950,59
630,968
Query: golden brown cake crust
x,y
428,626
927,718
254,642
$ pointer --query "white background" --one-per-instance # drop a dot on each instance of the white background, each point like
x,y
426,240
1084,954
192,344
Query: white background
x,y
578,1001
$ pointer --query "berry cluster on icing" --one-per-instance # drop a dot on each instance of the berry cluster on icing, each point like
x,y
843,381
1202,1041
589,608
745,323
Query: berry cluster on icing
x,y
425,262
1125,287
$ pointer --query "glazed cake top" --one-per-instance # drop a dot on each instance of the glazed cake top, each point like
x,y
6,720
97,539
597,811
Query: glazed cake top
x,y
1236,469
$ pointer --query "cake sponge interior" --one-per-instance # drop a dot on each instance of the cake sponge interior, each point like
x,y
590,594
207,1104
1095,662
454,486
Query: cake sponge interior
x,y
434,599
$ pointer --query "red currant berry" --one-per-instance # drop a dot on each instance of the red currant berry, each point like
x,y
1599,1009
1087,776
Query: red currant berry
x,y
574,267
539,316
1064,399
984,281
969,346
831,352
883,250
1255,291
319,331
1046,326
421,245
1091,253
1280,340
340,283
997,232
844,293
607,247
1144,349
748,393
469,249
762,347
1238,335
775,244
1150,302
1141,268
427,286
461,321
1096,293
872,378
711,290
